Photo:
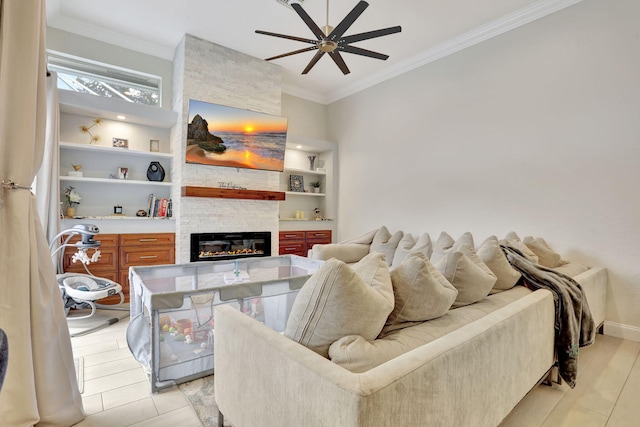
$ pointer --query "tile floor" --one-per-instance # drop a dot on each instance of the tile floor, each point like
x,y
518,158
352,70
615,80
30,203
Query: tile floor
x,y
117,393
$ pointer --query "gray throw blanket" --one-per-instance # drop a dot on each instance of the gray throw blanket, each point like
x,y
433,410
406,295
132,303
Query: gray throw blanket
x,y
574,326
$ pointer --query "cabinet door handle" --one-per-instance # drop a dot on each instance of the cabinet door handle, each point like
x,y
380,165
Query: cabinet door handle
x,y
290,235
289,249
147,240
148,256
320,235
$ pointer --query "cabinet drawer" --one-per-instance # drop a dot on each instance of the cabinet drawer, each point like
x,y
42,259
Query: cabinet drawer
x,y
291,235
106,240
108,260
147,239
146,256
318,236
292,249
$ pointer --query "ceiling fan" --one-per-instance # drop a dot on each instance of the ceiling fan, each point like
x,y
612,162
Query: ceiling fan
x,y
331,40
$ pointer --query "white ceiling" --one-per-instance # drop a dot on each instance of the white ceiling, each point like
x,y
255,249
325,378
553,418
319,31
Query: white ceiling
x,y
431,29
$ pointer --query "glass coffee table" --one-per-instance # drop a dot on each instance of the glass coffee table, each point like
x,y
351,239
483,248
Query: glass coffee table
x,y
171,327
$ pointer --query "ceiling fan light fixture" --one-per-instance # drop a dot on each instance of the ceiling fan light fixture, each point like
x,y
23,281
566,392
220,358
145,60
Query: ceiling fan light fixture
x,y
331,40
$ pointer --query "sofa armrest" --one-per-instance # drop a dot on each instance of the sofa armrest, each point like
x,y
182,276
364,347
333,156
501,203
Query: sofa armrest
x,y
345,252
266,379
594,284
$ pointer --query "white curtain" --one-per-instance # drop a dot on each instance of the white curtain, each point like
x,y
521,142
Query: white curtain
x,y
40,386
46,183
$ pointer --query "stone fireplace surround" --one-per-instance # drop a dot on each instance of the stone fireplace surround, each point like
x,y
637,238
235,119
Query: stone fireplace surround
x,y
212,73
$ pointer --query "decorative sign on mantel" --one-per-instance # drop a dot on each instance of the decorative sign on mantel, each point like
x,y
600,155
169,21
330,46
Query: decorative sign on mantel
x,y
232,193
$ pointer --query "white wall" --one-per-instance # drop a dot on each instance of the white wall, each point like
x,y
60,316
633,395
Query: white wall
x,y
306,118
535,131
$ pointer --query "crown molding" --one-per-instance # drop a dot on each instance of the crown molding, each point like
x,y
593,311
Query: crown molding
x,y
56,20
528,14
304,93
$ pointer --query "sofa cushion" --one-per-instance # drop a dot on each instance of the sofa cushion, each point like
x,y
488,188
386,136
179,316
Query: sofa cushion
x,y
467,274
386,243
364,239
491,254
420,291
409,246
571,269
359,355
547,257
340,300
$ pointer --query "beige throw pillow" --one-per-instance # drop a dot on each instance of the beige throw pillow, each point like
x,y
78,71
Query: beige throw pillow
x,y
364,239
339,300
491,254
519,245
442,245
409,246
547,257
386,243
470,279
421,292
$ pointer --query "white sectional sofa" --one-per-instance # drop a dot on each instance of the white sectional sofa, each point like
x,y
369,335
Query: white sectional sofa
x,y
470,366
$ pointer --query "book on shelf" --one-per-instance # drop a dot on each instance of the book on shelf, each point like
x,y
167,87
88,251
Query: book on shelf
x,y
157,207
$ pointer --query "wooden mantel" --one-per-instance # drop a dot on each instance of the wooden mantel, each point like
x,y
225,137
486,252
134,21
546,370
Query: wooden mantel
x,y
231,193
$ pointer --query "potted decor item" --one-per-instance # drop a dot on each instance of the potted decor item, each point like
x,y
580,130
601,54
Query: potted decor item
x,y
315,186
73,198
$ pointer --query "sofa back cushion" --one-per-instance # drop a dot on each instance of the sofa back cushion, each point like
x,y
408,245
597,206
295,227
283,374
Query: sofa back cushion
x,y
421,292
547,257
340,300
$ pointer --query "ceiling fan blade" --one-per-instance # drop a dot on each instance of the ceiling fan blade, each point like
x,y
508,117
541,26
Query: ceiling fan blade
x,y
337,58
284,36
348,20
306,49
370,35
364,52
307,20
313,62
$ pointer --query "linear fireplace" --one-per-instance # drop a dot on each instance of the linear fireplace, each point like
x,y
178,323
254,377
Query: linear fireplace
x,y
221,246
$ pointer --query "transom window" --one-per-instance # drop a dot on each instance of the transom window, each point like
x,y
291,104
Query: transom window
x,y
95,78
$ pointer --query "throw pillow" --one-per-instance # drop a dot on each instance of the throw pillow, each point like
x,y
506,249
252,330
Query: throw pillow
x,y
467,276
512,236
465,240
409,246
547,257
339,300
491,254
442,244
421,292
386,243
519,245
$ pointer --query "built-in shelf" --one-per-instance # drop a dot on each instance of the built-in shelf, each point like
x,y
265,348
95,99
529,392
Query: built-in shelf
x,y
122,217
305,171
232,193
306,219
300,193
113,181
120,151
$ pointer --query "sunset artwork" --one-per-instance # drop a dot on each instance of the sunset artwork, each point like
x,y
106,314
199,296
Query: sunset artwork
x,y
219,135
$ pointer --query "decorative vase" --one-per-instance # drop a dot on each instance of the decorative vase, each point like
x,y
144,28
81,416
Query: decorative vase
x,y
316,189
312,162
155,172
71,212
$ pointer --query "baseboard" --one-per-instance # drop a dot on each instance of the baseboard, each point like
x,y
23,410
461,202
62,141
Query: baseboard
x,y
619,330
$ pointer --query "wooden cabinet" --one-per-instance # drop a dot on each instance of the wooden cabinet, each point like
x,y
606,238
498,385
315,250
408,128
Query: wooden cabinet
x,y
121,251
299,242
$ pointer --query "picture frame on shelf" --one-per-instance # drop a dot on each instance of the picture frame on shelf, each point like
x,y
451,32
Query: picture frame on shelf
x,y
120,143
123,173
296,183
154,145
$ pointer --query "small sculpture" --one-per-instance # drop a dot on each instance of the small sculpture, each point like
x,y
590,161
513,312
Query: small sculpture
x,y
318,217
87,129
76,167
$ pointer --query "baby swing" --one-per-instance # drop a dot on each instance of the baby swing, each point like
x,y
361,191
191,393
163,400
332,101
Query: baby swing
x,y
82,290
